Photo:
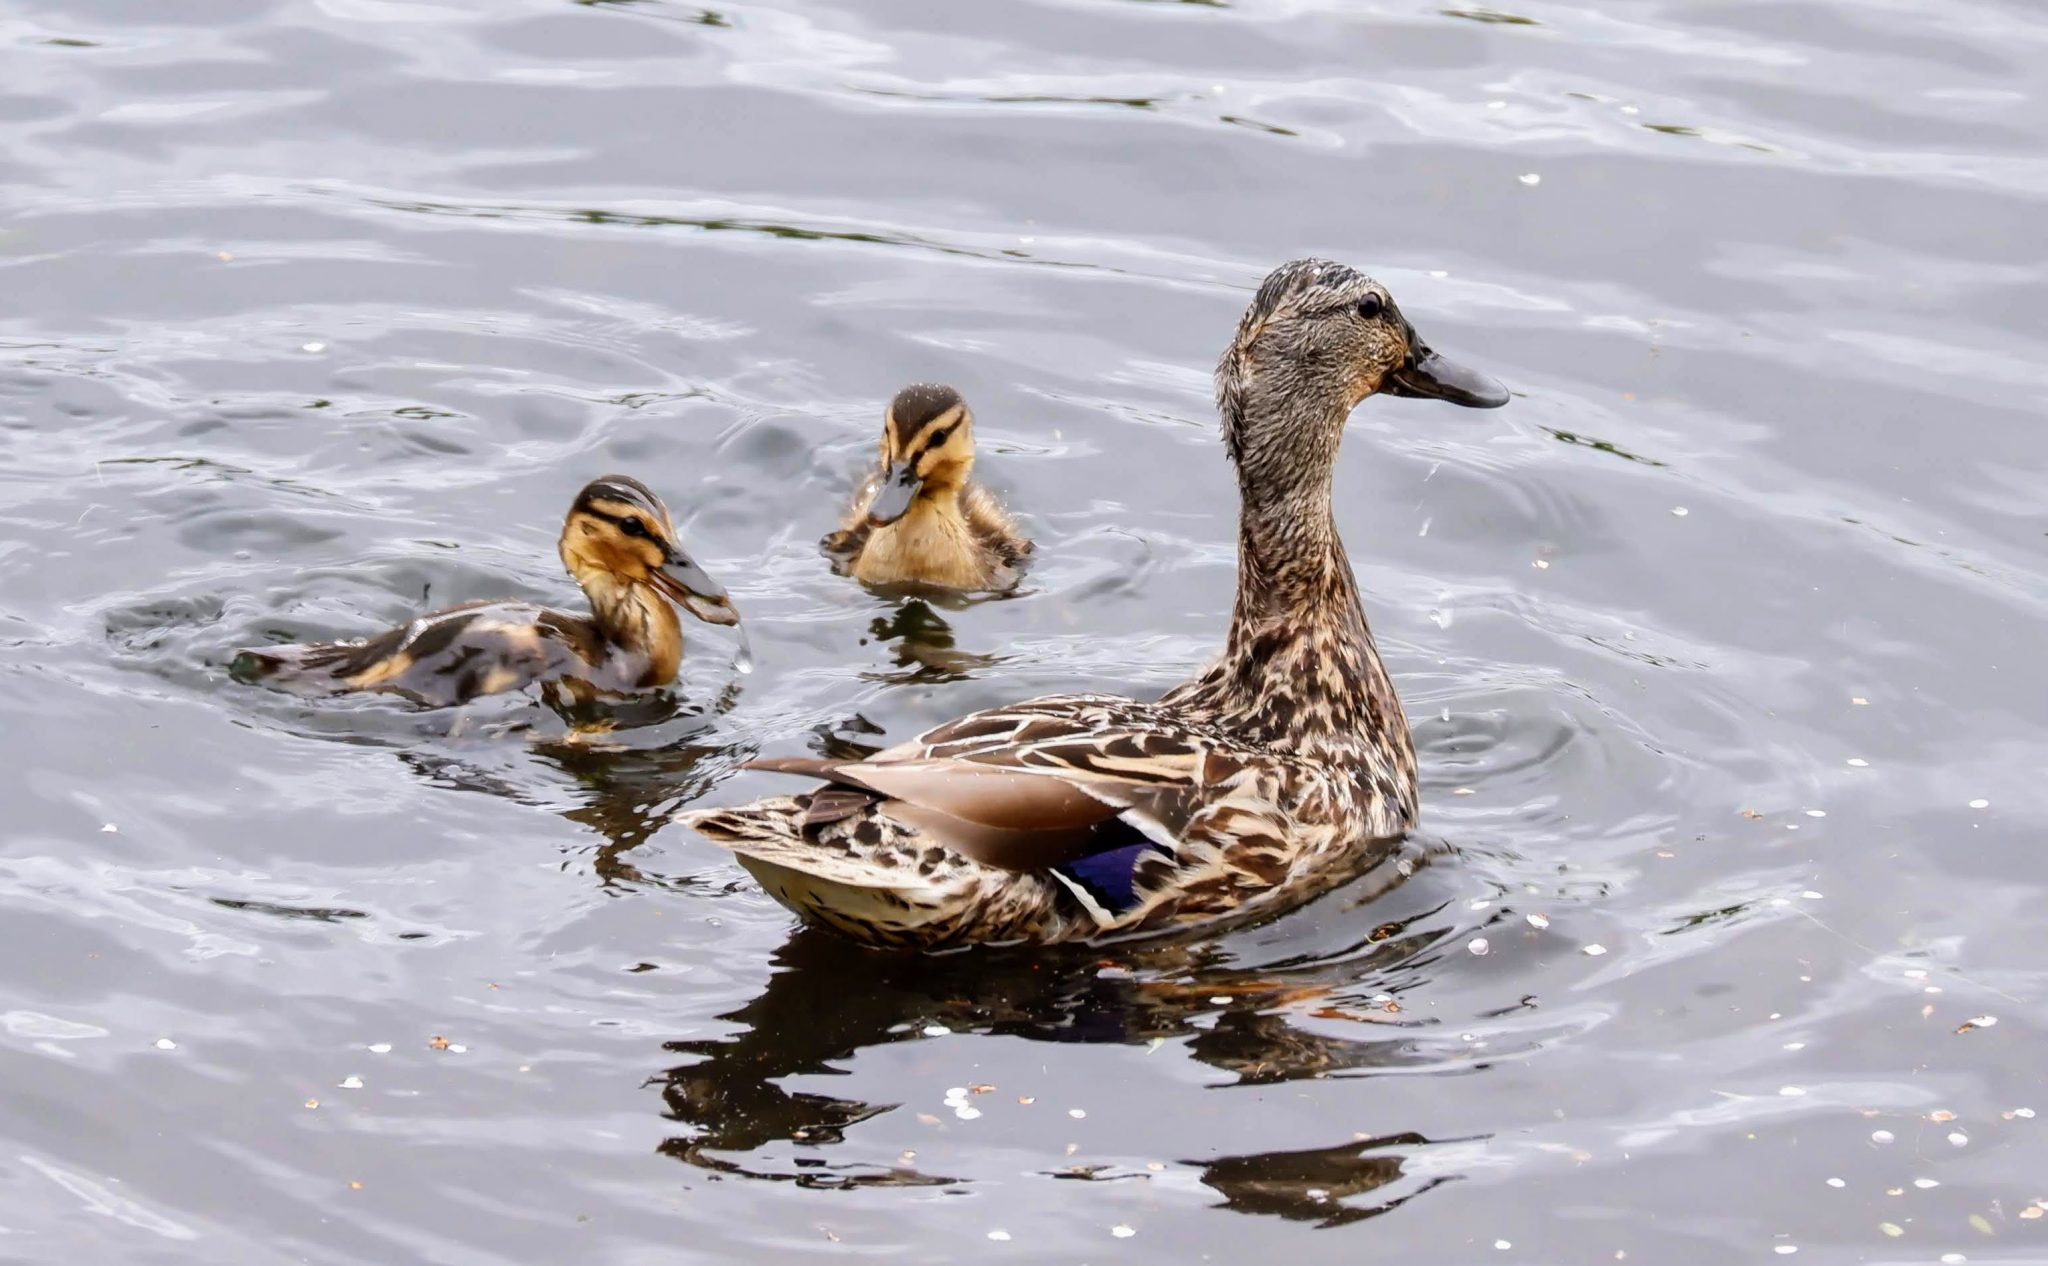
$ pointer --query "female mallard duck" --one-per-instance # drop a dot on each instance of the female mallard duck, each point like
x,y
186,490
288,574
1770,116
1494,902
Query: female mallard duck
x,y
919,518
1240,792
618,542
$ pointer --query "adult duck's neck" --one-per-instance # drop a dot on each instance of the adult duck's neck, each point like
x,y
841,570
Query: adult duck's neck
x,y
1300,671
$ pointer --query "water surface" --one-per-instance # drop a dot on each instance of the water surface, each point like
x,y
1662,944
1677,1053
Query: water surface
x,y
1721,641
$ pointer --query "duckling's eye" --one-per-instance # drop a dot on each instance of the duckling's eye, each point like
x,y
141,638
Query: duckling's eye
x,y
633,527
940,436
1372,307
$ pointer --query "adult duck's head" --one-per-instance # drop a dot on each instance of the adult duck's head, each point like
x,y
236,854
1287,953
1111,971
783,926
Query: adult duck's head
x,y
619,539
927,450
1318,338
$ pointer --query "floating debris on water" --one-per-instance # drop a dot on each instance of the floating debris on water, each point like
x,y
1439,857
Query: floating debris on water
x,y
1957,1138
1858,762
936,1030
1784,1250
1977,1022
2025,1114
1941,1115
1926,1184
1531,178
1077,1113
1882,1136
1859,701
351,1082
1595,950
1792,1092
1980,804
999,1236
1816,813
380,1048
314,347
166,1044
1478,945
109,829
1121,1231
312,1103
1538,921
1892,1229
1503,1245
1837,1183
1680,511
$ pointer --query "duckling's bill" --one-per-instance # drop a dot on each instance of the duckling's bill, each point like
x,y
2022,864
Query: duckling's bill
x,y
691,587
899,488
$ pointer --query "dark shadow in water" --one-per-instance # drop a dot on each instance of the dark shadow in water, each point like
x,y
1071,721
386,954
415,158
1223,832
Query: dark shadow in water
x,y
923,644
829,999
1312,1185
657,9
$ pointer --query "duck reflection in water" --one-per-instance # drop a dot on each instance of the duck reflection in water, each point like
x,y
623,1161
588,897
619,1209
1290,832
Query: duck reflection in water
x,y
627,766
1304,1019
924,646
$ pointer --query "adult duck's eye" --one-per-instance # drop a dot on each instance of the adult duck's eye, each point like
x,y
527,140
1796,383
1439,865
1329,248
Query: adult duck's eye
x,y
1371,307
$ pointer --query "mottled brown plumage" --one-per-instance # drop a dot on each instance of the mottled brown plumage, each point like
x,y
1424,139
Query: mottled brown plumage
x,y
618,541
1261,782
919,518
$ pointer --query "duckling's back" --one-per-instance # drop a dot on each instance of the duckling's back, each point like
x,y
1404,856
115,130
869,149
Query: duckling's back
x,y
447,657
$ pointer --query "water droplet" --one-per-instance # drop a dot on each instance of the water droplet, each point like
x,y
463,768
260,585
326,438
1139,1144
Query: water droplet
x,y
743,659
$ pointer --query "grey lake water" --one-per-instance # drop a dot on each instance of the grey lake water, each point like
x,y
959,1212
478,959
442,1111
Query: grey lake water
x,y
1722,942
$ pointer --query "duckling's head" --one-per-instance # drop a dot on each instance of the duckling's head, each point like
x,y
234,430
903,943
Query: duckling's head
x,y
927,449
1318,338
619,536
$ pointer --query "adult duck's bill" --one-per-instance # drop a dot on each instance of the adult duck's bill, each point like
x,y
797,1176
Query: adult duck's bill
x,y
692,588
1432,377
892,500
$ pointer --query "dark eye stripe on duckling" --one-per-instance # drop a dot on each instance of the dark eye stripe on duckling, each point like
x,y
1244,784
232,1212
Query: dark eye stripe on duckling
x,y
620,516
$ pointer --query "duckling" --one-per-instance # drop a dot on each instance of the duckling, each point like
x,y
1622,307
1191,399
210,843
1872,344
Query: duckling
x,y
619,543
919,518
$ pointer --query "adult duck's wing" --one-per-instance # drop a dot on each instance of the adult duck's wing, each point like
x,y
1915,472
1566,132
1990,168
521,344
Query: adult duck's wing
x,y
1047,785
